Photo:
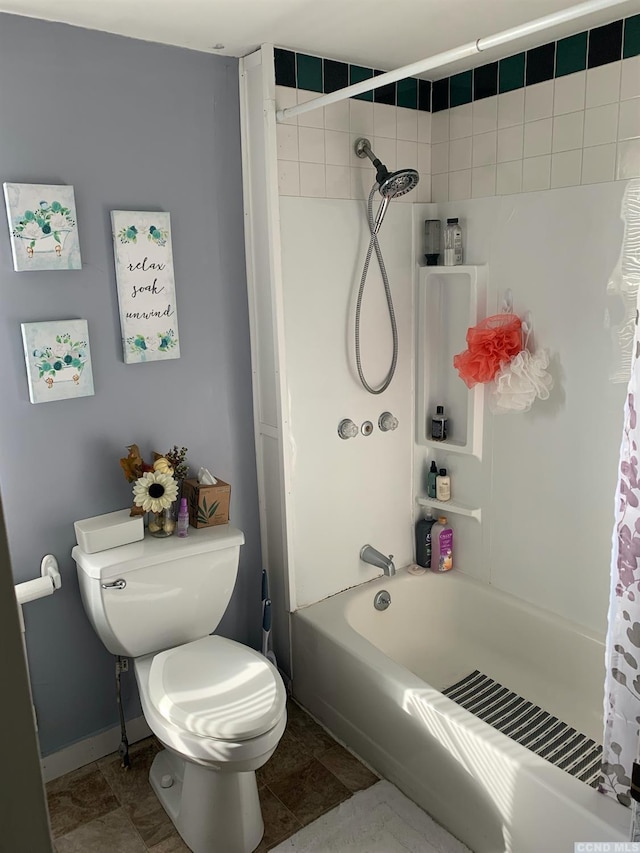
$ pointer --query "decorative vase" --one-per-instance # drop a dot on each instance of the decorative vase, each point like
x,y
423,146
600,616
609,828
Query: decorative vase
x,y
162,524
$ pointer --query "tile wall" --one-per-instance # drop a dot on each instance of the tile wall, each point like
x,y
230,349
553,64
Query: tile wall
x,y
562,114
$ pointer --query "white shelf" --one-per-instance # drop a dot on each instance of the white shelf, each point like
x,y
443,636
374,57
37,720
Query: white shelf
x,y
452,506
449,300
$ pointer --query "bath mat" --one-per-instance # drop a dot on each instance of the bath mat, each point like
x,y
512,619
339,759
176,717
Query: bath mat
x,y
378,820
529,726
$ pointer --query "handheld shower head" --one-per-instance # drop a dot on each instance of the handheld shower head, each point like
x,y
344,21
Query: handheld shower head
x,y
390,184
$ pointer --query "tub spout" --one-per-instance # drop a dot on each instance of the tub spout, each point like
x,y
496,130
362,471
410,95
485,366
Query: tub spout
x,y
369,554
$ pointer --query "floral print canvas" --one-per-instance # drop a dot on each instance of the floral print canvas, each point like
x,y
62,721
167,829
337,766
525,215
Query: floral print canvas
x,y
146,286
58,360
43,227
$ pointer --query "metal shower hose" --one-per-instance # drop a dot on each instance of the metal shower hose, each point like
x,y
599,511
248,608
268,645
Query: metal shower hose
x,y
373,244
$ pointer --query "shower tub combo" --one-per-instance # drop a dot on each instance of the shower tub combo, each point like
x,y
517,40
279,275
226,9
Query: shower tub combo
x,y
375,680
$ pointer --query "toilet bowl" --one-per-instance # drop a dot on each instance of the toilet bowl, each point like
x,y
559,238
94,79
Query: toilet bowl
x,y
217,706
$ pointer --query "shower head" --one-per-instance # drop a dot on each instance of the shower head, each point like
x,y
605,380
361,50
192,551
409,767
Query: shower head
x,y
390,184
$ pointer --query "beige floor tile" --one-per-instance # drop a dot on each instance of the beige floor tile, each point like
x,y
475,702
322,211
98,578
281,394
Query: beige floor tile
x,y
78,797
310,791
279,822
150,819
351,772
290,755
312,736
113,832
132,785
172,844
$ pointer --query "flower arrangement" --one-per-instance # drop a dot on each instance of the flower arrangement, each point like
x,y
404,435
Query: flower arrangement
x,y
155,235
65,354
47,220
161,342
155,485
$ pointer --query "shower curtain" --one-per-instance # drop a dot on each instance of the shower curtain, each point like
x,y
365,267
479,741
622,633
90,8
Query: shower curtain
x,y
622,686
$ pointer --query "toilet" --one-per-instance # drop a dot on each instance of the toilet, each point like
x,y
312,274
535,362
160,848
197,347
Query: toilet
x,y
217,706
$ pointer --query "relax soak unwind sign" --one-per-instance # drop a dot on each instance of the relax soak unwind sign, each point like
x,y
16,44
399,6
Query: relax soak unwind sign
x,y
146,287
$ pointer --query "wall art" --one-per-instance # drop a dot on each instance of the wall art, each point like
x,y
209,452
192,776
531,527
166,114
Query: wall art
x,y
146,286
43,227
58,360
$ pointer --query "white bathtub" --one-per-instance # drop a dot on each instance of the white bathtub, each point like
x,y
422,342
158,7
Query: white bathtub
x,y
373,678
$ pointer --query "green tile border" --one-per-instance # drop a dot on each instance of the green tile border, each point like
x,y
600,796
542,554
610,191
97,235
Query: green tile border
x,y
571,56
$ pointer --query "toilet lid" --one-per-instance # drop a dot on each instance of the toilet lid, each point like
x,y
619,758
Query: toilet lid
x,y
217,688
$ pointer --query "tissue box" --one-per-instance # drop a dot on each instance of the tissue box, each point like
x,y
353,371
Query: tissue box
x,y
108,531
208,505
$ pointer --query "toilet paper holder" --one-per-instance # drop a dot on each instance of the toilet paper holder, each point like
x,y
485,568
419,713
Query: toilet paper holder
x,y
46,584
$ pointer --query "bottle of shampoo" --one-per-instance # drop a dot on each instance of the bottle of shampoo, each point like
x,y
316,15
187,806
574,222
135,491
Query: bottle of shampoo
x,y
441,546
452,243
431,479
439,425
423,540
443,486
183,518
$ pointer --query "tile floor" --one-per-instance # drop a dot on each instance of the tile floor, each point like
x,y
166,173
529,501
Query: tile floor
x,y
102,808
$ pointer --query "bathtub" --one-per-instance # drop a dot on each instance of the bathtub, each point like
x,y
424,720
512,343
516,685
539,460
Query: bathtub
x,y
374,679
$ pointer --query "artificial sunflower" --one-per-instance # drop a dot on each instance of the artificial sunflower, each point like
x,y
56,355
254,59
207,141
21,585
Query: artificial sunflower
x,y
155,491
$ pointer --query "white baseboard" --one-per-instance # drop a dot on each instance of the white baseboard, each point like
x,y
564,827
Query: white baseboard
x,y
86,751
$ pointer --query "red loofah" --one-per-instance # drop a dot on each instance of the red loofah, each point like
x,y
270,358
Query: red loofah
x,y
492,342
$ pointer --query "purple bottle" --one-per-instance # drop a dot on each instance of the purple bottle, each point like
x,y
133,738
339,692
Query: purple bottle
x,y
183,518
441,546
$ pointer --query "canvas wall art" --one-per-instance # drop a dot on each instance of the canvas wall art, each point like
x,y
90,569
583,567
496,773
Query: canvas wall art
x,y
146,286
58,360
43,227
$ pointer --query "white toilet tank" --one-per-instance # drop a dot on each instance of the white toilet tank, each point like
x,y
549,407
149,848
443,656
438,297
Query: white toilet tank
x,y
171,590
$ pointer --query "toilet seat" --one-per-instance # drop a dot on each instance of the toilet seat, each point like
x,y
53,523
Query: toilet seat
x,y
216,688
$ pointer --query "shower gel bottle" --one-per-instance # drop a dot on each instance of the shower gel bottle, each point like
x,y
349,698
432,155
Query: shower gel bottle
x,y
452,243
423,540
441,546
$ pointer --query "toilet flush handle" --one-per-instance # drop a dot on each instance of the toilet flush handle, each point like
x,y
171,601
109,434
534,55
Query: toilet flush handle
x,y
119,584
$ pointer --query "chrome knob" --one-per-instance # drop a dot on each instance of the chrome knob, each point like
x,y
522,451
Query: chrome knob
x,y
387,422
347,428
119,584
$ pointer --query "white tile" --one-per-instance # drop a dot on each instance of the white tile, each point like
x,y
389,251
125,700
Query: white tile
x,y
461,121
424,187
538,101
336,147
629,120
440,187
510,143
384,121
509,178
628,159
599,164
407,124
630,78
567,131
511,108
424,126
288,177
537,137
440,126
360,183
600,125
314,118
569,93
485,149
311,144
483,181
424,157
361,117
439,158
566,168
312,180
536,173
287,141
286,97
336,116
407,155
385,150
603,84
460,154
338,184
485,115
459,185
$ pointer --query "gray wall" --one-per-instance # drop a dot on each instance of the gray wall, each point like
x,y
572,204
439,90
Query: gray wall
x,y
139,126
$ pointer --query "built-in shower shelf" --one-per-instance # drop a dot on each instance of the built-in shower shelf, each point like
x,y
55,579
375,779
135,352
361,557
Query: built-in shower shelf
x,y
449,300
452,506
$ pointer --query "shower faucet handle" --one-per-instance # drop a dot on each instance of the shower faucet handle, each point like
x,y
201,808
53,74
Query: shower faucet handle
x,y
347,428
387,422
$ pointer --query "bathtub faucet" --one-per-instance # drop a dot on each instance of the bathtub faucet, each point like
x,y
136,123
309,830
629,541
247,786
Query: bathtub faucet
x,y
370,555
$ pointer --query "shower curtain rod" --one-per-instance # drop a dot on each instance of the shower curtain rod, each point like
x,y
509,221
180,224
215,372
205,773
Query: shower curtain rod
x,y
452,55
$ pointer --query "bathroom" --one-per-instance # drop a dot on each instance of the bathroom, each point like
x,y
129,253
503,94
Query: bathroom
x,y
125,121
